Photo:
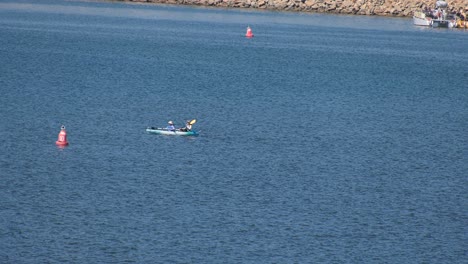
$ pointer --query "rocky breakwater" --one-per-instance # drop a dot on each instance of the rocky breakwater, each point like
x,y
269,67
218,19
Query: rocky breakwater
x,y
355,7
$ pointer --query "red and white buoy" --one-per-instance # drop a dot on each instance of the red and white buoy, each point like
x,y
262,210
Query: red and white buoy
x,y
62,137
249,33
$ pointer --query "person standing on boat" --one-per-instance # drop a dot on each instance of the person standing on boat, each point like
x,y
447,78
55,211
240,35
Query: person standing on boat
x,y
188,127
171,126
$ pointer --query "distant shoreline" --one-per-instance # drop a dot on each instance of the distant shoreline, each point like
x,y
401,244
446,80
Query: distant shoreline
x,y
398,8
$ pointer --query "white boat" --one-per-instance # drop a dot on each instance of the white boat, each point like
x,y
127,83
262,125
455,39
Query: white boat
x,y
439,23
435,18
446,21
421,19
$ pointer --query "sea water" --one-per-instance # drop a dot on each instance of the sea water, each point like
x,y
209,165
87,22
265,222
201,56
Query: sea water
x,y
323,139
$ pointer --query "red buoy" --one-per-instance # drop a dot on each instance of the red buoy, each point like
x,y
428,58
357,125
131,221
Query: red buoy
x,y
62,137
249,33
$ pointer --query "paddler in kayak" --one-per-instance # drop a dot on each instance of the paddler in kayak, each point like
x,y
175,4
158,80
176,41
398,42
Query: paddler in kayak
x,y
187,128
171,126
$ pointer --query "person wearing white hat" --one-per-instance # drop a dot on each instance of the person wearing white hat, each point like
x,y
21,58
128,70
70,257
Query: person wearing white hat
x,y
171,126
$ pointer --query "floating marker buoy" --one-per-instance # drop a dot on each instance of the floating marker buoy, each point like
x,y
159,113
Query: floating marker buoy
x,y
249,33
62,137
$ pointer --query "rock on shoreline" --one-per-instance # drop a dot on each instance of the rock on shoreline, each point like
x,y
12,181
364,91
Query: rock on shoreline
x,y
401,8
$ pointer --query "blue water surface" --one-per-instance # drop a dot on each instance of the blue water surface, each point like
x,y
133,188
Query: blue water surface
x,y
323,139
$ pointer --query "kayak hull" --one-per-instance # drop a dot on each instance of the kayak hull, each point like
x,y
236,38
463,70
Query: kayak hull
x,y
161,131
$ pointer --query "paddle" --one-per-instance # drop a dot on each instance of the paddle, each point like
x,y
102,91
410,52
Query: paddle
x,y
193,121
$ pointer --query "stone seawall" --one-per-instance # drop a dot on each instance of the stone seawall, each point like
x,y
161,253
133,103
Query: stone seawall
x,y
401,8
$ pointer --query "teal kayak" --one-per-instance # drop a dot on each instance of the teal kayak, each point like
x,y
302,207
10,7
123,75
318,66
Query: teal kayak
x,y
163,131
